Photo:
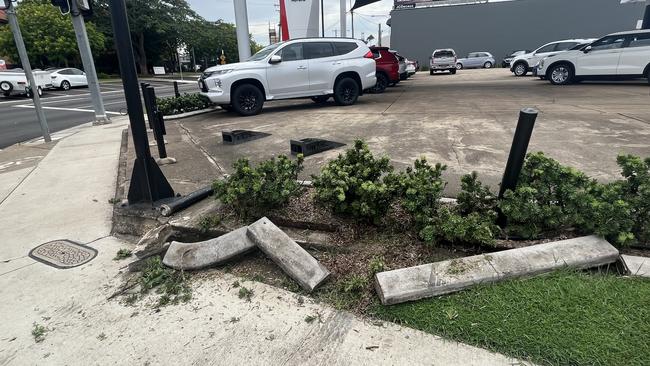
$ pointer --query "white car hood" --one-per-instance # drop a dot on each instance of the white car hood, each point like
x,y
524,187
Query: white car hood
x,y
236,66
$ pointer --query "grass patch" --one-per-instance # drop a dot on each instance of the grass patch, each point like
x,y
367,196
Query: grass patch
x,y
245,293
38,332
122,254
171,284
565,318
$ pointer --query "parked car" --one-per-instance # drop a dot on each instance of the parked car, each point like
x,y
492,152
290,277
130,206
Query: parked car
x,y
387,68
14,81
402,65
476,60
536,67
623,55
411,68
443,60
316,68
508,59
523,64
65,79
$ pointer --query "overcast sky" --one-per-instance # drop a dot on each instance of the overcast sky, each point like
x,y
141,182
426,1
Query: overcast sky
x,y
261,12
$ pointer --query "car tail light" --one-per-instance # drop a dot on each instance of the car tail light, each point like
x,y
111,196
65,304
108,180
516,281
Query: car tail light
x,y
369,55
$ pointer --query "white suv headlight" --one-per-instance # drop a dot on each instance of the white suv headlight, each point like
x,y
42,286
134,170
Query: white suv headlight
x,y
208,74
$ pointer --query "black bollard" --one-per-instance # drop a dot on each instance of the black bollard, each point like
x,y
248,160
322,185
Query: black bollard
x,y
518,150
176,92
156,122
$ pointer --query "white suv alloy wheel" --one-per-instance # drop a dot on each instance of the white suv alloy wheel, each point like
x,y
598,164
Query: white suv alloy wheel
x,y
520,69
560,74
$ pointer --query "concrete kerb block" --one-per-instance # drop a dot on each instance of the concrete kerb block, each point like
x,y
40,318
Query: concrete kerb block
x,y
193,256
154,241
286,253
435,279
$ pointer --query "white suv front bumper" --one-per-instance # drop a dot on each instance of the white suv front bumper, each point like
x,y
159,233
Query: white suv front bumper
x,y
215,90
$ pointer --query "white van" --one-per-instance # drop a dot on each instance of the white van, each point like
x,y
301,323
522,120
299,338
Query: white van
x,y
623,55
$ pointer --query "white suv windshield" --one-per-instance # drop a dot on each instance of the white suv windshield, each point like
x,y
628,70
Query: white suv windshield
x,y
264,52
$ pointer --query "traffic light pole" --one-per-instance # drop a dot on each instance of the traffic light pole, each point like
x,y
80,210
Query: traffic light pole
x,y
148,183
24,60
89,64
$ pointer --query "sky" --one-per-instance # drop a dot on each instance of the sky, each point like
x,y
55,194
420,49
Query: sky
x,y
261,12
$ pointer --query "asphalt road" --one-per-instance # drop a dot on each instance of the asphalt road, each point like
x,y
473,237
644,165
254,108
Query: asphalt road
x,y
18,121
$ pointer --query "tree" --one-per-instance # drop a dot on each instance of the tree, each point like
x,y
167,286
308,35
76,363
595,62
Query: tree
x,y
49,36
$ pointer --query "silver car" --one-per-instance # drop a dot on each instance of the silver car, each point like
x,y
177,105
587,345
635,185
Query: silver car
x,y
476,60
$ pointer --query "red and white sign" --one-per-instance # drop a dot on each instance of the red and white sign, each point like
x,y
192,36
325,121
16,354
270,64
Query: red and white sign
x,y
299,18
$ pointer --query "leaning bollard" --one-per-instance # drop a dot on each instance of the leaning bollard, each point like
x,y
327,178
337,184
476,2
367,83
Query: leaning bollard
x,y
176,92
147,103
150,97
518,150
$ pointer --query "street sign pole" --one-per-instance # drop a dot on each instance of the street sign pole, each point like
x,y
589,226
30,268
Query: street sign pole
x,y
148,183
241,25
24,60
89,64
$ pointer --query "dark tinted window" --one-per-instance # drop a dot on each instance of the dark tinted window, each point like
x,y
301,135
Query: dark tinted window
x,y
375,54
77,72
640,40
441,54
578,46
292,52
563,46
65,72
549,48
343,48
318,49
608,43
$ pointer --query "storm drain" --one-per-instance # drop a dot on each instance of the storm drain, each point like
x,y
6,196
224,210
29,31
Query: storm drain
x,y
312,146
240,136
63,254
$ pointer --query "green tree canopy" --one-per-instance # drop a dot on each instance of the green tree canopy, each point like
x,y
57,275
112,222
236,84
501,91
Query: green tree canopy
x,y
49,36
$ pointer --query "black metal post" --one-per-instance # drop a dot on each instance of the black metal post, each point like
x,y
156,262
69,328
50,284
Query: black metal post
x,y
646,17
322,18
147,104
527,117
156,122
148,183
176,92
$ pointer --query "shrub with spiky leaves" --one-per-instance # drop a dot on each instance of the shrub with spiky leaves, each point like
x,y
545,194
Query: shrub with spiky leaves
x,y
354,184
252,190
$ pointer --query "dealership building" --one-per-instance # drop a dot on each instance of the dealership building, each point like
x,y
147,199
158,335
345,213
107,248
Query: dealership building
x,y
418,27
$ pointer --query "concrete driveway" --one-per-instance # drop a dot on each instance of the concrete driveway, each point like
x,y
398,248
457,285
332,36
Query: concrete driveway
x,y
465,121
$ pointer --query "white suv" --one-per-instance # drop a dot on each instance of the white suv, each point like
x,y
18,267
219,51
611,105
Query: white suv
x,y
523,64
623,55
316,68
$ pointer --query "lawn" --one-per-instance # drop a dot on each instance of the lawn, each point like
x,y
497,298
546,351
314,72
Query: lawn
x,y
566,318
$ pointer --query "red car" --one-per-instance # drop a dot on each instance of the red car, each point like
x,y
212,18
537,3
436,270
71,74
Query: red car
x,y
387,68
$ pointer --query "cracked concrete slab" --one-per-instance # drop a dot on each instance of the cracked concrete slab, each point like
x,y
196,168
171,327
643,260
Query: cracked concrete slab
x,y
435,279
638,266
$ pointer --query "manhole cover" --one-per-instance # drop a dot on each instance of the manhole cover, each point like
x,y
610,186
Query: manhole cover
x,y
63,254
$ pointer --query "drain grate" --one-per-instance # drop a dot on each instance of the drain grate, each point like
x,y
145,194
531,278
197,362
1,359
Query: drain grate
x,y
63,254
240,136
312,146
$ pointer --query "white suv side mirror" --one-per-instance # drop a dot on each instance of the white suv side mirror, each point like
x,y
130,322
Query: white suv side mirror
x,y
275,59
587,49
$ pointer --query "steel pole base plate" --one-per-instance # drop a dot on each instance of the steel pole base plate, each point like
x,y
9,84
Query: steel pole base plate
x,y
148,183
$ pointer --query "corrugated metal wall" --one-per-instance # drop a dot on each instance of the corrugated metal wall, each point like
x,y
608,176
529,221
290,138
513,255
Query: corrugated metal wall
x,y
502,27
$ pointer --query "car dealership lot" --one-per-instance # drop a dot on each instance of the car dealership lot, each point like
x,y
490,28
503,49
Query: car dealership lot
x,y
465,121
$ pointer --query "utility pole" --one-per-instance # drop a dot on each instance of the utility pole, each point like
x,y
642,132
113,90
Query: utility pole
x,y
343,19
89,64
24,60
322,18
379,36
241,23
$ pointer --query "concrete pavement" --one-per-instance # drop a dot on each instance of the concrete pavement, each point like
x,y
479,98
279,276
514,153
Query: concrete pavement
x,y
65,196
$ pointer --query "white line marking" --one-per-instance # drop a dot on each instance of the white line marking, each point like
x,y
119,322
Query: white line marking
x,y
64,109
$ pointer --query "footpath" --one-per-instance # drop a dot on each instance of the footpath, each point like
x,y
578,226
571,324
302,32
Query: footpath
x,y
61,190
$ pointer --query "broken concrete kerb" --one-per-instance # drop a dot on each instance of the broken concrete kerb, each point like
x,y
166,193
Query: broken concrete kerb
x,y
191,256
428,280
286,253
153,242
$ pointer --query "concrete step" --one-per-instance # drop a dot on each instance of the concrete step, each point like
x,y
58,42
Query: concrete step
x,y
191,256
286,253
638,266
428,280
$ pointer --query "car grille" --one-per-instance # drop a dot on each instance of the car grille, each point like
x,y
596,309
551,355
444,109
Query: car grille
x,y
202,85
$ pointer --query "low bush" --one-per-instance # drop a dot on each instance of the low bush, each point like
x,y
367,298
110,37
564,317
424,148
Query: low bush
x,y
252,190
183,104
420,189
355,184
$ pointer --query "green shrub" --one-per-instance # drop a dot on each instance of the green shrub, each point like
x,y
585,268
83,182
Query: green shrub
x,y
549,197
183,104
475,197
636,192
450,226
353,184
420,189
250,191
